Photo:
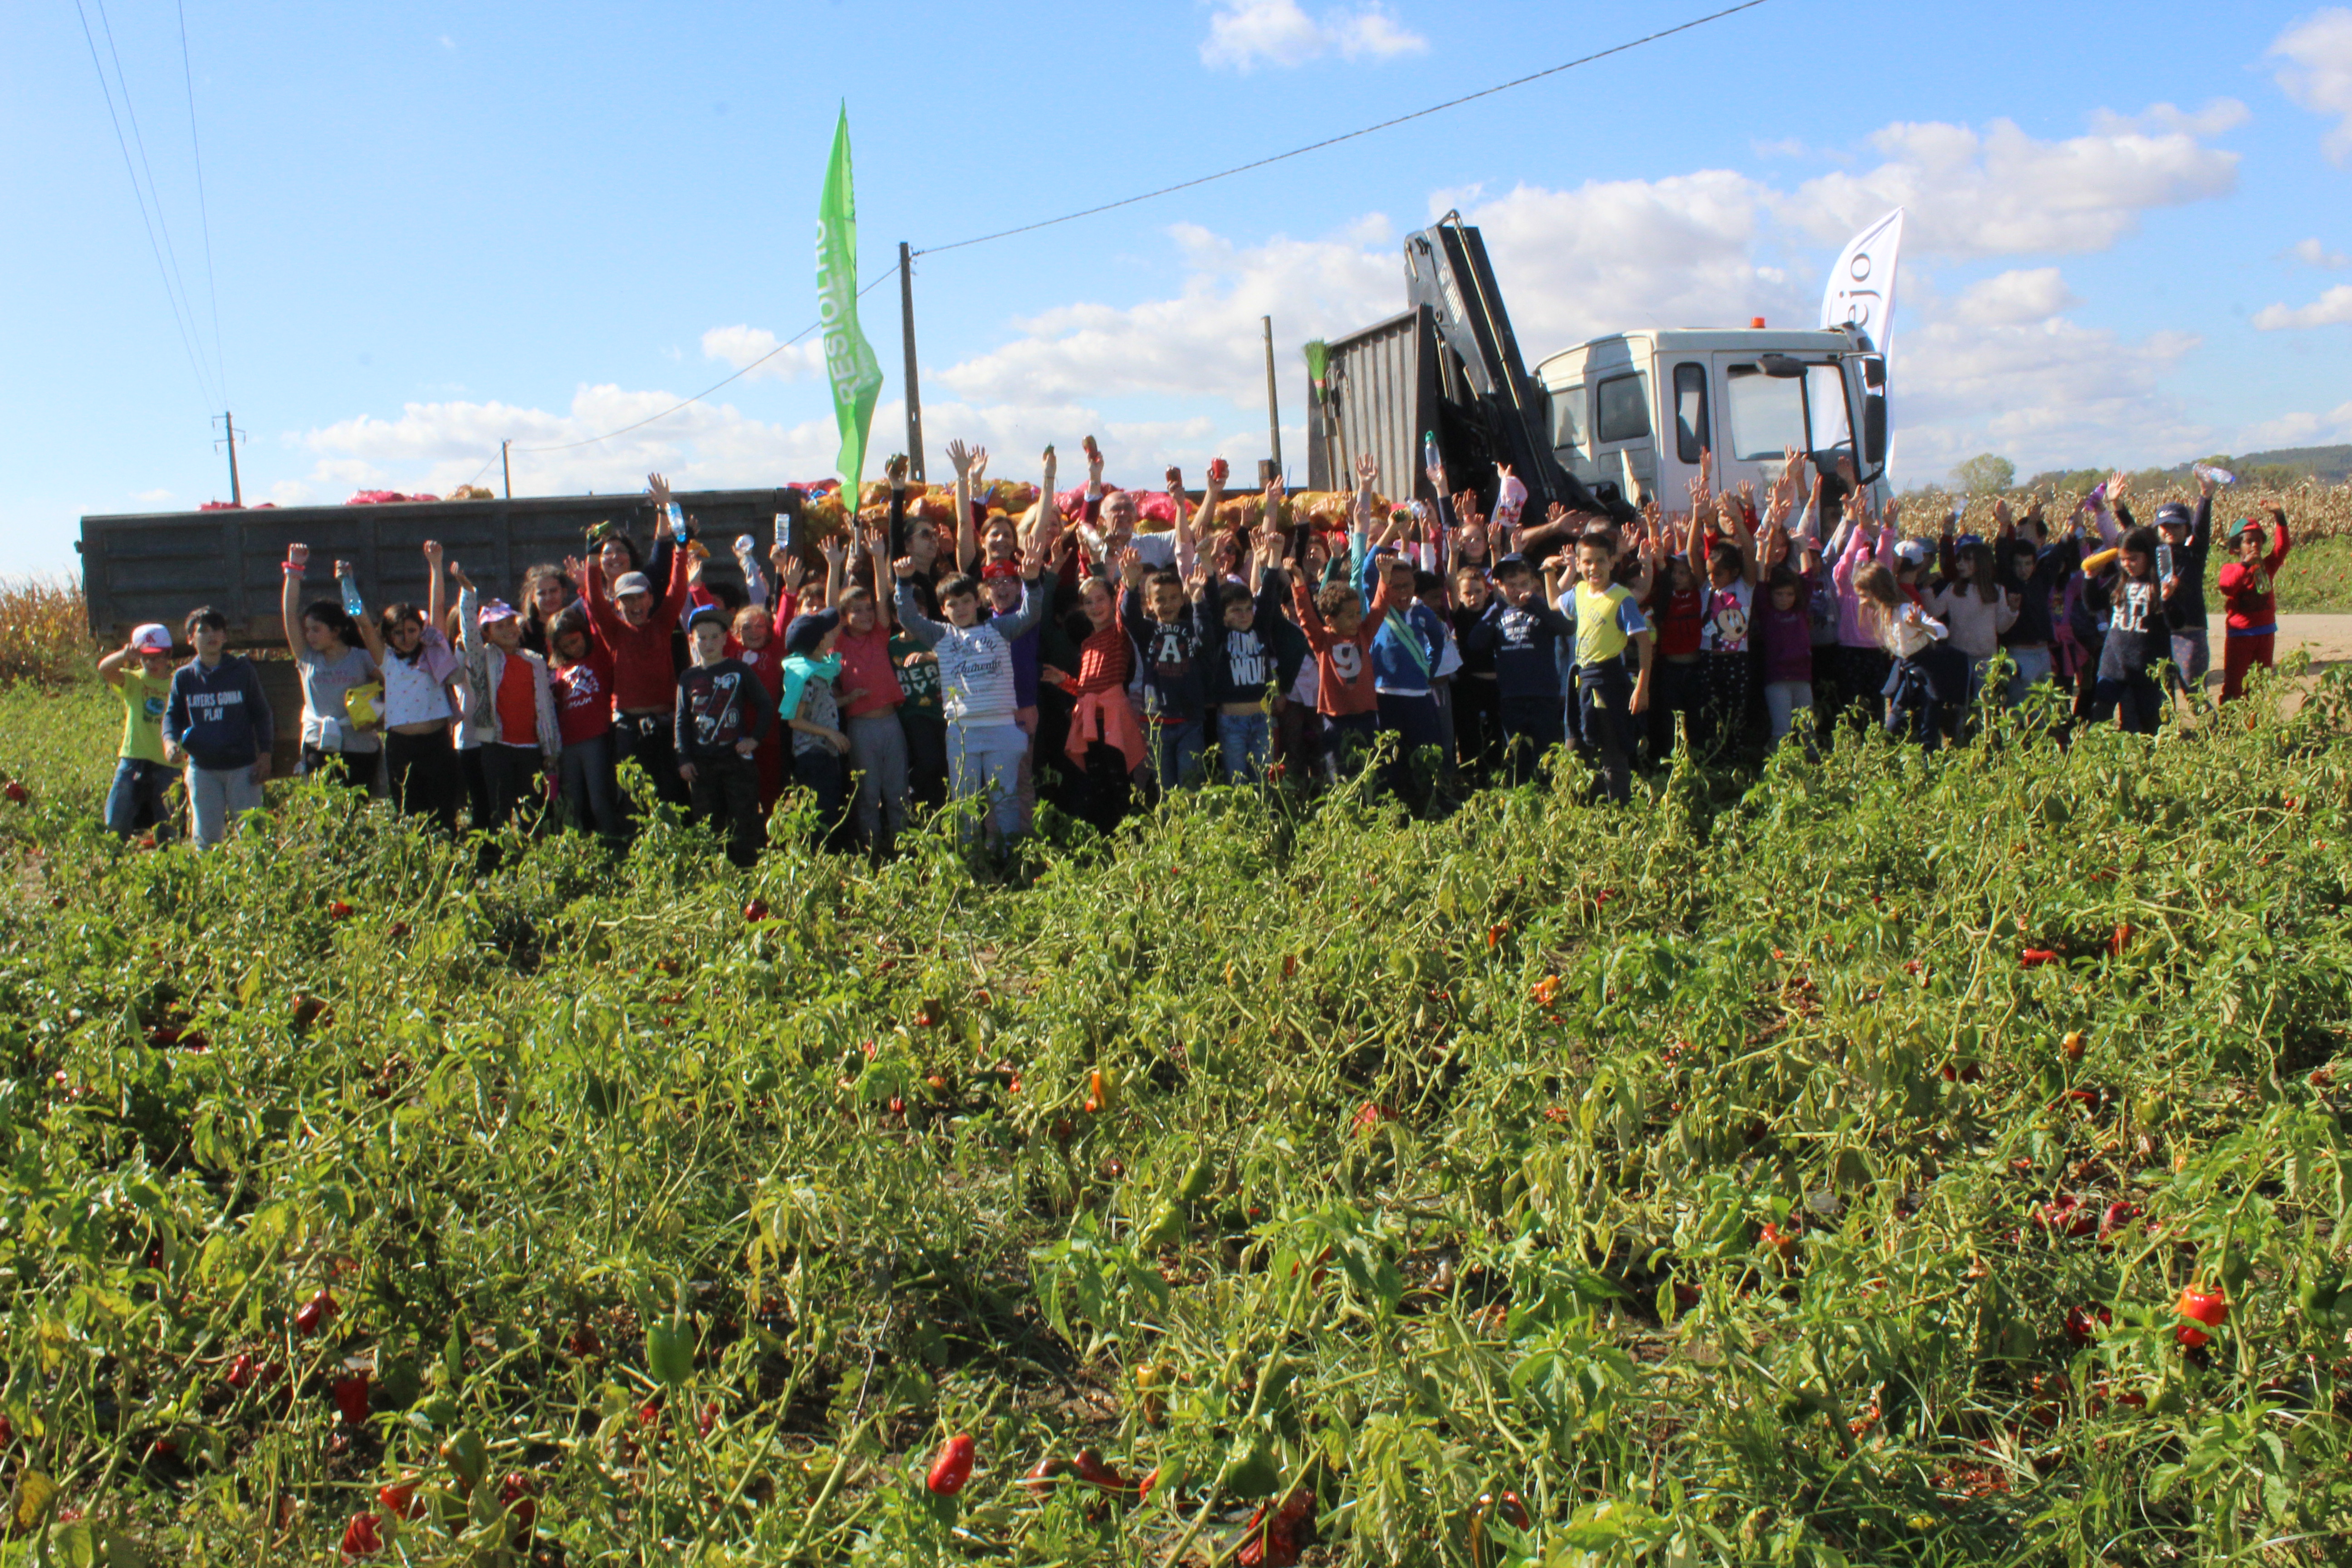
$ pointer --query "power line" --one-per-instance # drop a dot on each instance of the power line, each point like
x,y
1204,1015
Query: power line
x,y
1352,135
1186,185
187,340
204,212
155,192
707,391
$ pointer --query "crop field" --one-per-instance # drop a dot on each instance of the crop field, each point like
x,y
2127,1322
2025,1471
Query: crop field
x,y
1884,1159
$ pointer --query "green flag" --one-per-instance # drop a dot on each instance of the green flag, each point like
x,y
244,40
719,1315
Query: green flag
x,y
849,361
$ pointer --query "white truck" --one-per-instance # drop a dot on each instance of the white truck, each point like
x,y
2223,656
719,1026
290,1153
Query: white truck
x,y
1601,427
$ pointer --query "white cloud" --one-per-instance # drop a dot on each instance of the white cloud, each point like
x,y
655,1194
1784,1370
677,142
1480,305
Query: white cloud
x,y
2313,254
448,42
152,498
1244,34
2000,192
2298,430
2045,394
2329,310
744,345
2014,299
1206,340
2317,72
2161,119
436,447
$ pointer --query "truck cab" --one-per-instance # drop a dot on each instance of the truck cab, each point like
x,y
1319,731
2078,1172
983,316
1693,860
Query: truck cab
x,y
1634,411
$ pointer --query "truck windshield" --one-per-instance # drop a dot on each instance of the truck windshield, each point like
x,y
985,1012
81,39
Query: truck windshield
x,y
1767,413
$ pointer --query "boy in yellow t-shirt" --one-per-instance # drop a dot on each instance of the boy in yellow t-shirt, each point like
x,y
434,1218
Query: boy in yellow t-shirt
x,y
1607,619
141,671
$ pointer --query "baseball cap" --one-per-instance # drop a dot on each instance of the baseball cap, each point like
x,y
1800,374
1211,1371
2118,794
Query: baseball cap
x,y
1912,551
152,637
1968,542
497,610
2172,514
805,632
632,582
996,569
706,613
2248,525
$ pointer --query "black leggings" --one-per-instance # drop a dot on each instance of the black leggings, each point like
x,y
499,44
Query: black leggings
x,y
421,773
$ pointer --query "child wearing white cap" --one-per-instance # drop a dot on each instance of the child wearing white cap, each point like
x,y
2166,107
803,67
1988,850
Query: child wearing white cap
x,y
140,669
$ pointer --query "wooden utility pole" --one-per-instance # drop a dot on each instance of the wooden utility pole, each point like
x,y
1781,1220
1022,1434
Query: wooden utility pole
x,y
235,488
1273,408
507,467
914,393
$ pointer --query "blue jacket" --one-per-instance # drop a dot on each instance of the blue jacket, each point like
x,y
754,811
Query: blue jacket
x,y
219,716
1523,645
1398,666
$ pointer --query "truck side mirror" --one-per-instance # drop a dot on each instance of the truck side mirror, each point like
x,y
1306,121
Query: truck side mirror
x,y
1874,428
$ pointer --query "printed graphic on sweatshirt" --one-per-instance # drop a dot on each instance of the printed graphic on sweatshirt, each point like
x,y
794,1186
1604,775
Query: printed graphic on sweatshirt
x,y
1171,653
577,688
204,707
2133,605
1726,618
1347,662
1248,662
714,716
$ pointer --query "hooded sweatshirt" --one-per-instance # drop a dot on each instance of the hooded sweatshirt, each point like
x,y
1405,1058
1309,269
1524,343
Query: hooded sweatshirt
x,y
219,716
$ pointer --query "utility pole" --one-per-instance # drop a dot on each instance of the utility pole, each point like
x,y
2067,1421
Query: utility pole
x,y
906,333
507,467
236,489
1273,409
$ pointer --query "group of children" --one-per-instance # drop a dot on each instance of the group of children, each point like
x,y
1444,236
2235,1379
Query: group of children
x,y
1078,656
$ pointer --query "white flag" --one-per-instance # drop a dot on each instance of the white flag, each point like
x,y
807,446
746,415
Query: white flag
x,y
1862,284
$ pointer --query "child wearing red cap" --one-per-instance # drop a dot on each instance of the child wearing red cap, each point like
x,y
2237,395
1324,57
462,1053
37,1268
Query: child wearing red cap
x,y
2249,589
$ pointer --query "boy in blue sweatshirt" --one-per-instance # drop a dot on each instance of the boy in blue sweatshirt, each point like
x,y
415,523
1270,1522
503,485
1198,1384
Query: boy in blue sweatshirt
x,y
1521,634
1242,681
219,722
1171,638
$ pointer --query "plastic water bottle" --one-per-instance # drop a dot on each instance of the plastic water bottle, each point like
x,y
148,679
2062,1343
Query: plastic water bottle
x,y
744,544
2218,476
676,522
353,605
1429,458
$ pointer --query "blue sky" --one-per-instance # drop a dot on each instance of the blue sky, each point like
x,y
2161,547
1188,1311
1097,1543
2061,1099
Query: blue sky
x,y
433,226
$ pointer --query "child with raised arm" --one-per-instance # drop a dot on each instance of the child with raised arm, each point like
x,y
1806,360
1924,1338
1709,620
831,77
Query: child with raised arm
x,y
634,630
1105,739
330,658
1607,618
985,745
2248,586
1519,634
219,719
580,677
1172,632
812,705
872,697
1407,641
2184,539
140,669
1340,635
720,711
1240,659
1864,662
1783,625
513,707
1726,560
1975,608
423,689
2138,635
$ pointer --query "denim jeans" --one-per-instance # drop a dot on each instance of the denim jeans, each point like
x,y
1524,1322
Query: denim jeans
x,y
1782,701
1174,751
1243,740
877,750
2034,666
985,760
140,796
591,796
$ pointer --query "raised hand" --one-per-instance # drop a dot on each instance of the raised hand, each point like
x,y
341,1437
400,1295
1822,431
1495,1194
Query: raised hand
x,y
345,569
1094,462
298,556
1175,477
1556,513
573,568
658,488
979,468
1368,470
1129,565
432,554
903,566
1219,472
837,551
959,457
458,575
895,470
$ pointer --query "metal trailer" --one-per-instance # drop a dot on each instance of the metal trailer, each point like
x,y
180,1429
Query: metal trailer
x,y
1449,365
157,566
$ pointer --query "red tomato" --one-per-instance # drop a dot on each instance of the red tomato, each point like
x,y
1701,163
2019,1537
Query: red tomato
x,y
399,1499
756,910
361,1537
952,1465
2210,1308
515,1497
2083,1322
314,1314
2035,957
352,1398
338,910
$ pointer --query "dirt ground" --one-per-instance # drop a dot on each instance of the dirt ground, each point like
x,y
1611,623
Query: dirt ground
x,y
2329,638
